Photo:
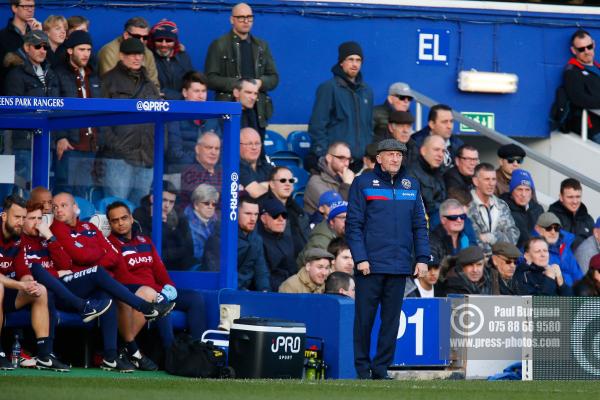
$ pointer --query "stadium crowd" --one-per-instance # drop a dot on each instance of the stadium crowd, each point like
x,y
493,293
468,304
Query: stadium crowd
x,y
487,232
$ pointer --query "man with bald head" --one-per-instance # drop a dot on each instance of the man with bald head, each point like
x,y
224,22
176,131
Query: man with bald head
x,y
254,169
246,57
205,169
427,169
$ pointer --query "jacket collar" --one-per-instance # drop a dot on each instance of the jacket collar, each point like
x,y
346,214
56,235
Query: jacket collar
x,y
573,61
338,72
305,279
384,175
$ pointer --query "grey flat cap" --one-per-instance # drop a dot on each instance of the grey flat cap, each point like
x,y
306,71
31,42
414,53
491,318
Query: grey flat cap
x,y
391,145
316,253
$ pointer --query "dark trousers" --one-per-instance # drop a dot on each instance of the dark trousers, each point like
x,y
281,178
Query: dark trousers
x,y
192,303
372,291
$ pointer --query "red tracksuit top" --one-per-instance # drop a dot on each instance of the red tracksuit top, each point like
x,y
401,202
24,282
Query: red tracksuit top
x,y
142,260
51,256
87,247
8,251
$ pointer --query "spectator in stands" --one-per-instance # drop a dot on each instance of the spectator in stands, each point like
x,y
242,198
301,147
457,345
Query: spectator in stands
x,y
537,277
504,260
590,284
55,26
128,150
335,174
281,186
152,281
470,276
559,245
76,148
322,235
202,216
343,109
588,248
42,256
177,243
441,123
342,261
172,61
510,157
245,91
29,74
573,214
110,54
254,169
490,215
426,286
253,273
311,277
278,246
448,238
239,54
11,37
204,168
340,283
77,23
427,169
369,159
25,293
398,99
461,175
523,207
326,201
183,135
400,128
581,81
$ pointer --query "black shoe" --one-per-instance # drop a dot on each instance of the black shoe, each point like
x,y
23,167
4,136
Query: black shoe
x,y
384,377
159,310
52,363
5,364
143,363
120,364
95,308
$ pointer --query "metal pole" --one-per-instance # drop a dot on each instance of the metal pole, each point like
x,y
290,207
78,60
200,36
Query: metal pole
x,y
157,185
40,158
584,126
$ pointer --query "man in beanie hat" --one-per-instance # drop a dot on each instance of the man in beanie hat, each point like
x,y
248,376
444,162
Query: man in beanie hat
x,y
343,109
470,276
127,151
172,61
76,148
398,99
387,234
136,28
523,207
510,157
247,57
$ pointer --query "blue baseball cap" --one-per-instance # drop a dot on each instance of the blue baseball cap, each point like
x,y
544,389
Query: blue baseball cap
x,y
329,197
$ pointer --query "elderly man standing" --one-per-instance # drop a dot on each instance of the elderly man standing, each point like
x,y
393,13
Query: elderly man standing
x,y
386,232
398,99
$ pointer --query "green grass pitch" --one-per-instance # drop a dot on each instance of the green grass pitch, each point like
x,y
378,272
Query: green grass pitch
x,y
92,384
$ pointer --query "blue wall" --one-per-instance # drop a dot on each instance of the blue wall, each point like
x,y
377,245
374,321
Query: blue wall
x,y
304,37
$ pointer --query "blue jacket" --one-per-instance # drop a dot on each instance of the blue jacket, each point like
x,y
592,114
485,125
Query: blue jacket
x,y
561,254
531,281
386,224
200,231
253,273
343,111
170,73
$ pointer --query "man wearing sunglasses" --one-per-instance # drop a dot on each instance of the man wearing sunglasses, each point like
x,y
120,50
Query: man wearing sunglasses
x,y
239,54
108,56
559,245
505,257
172,61
449,237
510,157
399,98
582,83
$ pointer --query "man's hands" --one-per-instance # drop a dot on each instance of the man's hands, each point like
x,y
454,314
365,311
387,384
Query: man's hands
x,y
364,267
31,287
44,230
420,270
34,24
347,176
61,146
553,272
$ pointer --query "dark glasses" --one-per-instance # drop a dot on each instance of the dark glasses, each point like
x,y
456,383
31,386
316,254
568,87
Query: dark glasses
x,y
456,217
138,36
511,160
209,203
584,48
508,260
404,98
166,40
41,46
554,227
284,180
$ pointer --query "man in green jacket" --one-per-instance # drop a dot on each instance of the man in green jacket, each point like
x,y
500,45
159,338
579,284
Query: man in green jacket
x,y
238,54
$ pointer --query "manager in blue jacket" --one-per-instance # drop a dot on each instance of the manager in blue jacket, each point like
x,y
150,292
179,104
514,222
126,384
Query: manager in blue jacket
x,y
386,231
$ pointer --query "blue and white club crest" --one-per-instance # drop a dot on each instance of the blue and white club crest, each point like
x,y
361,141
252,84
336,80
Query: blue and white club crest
x,y
406,183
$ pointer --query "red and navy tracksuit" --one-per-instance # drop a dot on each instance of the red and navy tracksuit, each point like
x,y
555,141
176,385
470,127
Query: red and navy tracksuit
x,y
147,268
9,250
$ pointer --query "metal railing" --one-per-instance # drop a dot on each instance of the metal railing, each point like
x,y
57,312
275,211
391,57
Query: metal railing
x,y
498,137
